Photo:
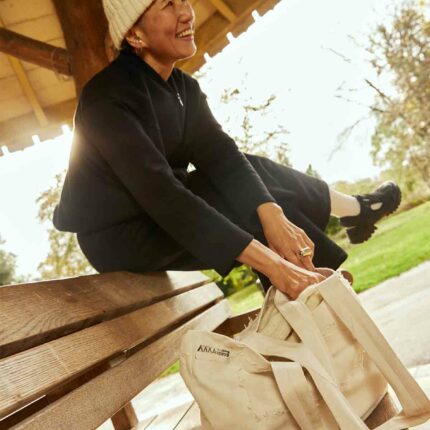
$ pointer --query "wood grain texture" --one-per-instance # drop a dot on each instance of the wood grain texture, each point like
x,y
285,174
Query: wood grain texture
x,y
84,26
104,395
29,374
211,36
38,312
33,51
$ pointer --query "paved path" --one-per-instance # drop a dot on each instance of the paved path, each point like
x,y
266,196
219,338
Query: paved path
x,y
401,308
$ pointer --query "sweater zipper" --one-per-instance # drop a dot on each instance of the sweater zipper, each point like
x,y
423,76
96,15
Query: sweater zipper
x,y
177,93
180,100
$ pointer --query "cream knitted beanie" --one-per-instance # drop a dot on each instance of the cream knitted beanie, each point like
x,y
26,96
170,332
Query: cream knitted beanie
x,y
121,15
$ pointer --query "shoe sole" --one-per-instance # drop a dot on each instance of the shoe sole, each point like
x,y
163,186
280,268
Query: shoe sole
x,y
359,235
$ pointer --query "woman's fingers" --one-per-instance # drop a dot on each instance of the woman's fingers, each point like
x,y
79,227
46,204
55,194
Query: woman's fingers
x,y
307,262
325,271
292,279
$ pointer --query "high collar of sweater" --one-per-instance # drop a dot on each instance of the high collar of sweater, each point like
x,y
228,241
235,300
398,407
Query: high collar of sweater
x,y
133,60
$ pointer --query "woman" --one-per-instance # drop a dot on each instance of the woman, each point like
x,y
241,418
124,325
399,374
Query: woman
x,y
134,206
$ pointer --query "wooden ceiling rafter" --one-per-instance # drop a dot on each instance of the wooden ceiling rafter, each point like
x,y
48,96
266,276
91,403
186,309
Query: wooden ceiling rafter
x,y
212,36
16,131
91,50
26,87
224,9
35,52
28,91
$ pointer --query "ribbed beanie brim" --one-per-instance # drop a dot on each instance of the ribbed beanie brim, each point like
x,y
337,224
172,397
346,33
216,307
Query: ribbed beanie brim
x,y
121,15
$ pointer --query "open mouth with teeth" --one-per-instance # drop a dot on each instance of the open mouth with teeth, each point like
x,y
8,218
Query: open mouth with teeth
x,y
186,34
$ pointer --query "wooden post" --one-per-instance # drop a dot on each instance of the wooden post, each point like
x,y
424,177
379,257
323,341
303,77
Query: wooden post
x,y
125,418
85,26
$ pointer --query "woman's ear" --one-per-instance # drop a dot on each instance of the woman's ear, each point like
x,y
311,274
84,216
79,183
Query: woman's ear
x,y
133,39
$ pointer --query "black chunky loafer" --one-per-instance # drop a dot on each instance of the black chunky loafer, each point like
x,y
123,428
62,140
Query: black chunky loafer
x,y
361,227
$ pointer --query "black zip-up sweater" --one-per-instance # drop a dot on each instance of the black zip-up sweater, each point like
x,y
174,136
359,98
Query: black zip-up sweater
x,y
133,141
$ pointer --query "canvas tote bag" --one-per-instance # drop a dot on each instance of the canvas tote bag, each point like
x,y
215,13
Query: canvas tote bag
x,y
317,362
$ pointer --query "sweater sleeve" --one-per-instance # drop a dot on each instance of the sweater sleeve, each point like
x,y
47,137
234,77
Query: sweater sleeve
x,y
139,164
217,155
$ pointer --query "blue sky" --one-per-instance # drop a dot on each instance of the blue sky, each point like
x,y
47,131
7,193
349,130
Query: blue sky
x,y
289,53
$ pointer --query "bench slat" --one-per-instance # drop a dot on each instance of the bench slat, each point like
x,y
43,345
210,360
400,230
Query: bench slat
x,y
35,313
29,374
111,390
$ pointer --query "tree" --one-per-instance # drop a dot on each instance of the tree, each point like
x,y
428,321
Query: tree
x,y
312,172
270,143
401,54
65,258
7,266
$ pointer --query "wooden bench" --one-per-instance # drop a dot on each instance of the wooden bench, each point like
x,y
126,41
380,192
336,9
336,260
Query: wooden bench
x,y
75,352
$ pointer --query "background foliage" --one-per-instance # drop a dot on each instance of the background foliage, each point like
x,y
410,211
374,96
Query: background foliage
x,y
65,258
7,266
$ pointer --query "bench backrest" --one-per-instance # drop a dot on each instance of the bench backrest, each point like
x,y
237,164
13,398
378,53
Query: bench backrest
x,y
75,351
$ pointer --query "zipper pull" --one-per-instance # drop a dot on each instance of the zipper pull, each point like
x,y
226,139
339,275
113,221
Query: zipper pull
x,y
180,100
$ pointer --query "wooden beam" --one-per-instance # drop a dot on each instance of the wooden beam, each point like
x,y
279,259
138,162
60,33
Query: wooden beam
x,y
28,91
84,26
26,87
35,52
15,133
224,9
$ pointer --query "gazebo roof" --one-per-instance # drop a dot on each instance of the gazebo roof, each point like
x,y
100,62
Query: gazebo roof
x,y
50,48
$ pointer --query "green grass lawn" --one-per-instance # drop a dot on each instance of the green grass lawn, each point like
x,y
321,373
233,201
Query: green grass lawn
x,y
401,242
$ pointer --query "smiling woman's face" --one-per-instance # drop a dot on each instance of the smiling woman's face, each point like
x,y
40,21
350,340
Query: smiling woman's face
x,y
161,29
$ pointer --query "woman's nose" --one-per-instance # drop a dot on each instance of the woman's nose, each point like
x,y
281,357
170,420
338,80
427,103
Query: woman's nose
x,y
186,11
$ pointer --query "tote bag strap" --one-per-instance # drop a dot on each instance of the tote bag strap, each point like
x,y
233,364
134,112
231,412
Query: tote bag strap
x,y
300,318
329,389
346,305
296,393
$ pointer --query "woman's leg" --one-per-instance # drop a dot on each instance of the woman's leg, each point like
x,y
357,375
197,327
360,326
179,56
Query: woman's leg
x,y
343,204
358,213
305,201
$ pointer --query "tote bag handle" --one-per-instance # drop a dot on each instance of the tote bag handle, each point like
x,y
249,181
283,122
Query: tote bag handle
x,y
300,353
346,305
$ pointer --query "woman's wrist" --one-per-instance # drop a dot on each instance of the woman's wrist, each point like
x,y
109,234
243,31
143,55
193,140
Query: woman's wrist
x,y
269,210
259,257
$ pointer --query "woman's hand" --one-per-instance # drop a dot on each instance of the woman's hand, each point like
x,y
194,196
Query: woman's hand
x,y
284,237
292,280
283,275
